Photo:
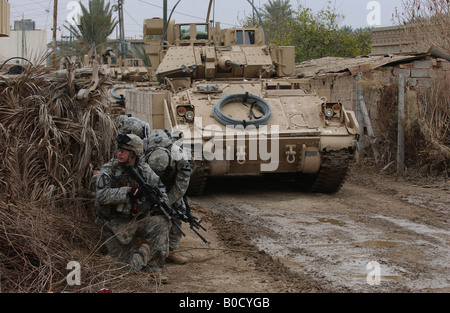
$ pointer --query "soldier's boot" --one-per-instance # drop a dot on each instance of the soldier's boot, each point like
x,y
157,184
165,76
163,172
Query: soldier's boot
x,y
140,257
176,258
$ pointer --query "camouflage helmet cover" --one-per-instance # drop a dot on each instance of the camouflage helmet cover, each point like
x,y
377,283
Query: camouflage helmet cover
x,y
159,160
130,142
132,125
159,155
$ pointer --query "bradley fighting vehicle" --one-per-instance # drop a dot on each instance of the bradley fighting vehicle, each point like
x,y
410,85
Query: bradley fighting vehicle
x,y
242,111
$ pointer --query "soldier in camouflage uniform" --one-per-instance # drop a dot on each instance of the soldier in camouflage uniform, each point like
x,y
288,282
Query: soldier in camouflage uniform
x,y
125,214
173,166
170,163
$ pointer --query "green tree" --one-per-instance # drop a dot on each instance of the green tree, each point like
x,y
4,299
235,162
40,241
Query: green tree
x,y
314,35
317,35
276,16
94,26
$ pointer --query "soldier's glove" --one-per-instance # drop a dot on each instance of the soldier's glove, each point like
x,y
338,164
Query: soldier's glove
x,y
135,192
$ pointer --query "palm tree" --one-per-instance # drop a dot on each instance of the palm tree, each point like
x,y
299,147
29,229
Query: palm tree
x,y
276,15
94,26
277,10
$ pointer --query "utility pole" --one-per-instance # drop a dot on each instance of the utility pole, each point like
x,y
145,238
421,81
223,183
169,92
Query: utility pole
x,y
23,38
55,14
165,19
401,131
121,29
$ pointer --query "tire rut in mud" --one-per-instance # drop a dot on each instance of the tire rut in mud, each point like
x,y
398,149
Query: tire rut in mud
x,y
233,236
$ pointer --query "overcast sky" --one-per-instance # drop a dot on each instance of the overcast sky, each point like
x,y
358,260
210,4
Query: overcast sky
x,y
358,13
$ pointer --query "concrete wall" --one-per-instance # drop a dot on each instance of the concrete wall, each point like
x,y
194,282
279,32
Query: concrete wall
x,y
391,40
419,75
35,45
339,87
401,40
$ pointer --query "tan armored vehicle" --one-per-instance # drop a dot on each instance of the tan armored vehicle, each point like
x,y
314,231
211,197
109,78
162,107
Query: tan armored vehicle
x,y
241,111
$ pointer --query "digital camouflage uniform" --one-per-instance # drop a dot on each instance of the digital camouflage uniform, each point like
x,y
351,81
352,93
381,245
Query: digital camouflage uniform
x,y
167,159
124,219
170,163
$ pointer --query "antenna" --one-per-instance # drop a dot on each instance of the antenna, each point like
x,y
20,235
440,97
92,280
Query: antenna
x,y
260,20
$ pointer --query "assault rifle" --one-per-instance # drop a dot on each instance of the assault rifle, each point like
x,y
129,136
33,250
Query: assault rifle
x,y
154,195
186,216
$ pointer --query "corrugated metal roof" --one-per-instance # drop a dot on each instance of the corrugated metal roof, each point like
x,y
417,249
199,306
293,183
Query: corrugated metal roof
x,y
355,65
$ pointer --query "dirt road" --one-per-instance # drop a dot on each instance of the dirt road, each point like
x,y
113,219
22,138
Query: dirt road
x,y
378,234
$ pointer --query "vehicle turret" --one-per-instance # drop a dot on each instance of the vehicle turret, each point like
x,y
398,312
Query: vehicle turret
x,y
200,51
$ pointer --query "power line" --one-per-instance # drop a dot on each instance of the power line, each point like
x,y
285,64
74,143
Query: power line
x,y
184,14
137,23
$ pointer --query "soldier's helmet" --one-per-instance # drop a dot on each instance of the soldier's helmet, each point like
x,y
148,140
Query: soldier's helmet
x,y
159,160
130,142
159,155
132,125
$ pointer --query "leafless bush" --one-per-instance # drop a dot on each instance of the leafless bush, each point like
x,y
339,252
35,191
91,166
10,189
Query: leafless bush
x,y
432,122
427,22
427,119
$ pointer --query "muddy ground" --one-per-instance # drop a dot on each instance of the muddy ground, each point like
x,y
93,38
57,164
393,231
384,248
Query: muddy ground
x,y
267,235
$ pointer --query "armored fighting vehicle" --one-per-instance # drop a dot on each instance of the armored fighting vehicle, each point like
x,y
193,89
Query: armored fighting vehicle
x,y
237,105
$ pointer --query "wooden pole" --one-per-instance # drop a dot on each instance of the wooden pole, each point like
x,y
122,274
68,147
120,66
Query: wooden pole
x,y
359,117
122,52
400,130
366,123
165,19
55,14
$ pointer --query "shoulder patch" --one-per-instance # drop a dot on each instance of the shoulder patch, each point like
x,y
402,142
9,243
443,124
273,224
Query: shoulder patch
x,y
103,180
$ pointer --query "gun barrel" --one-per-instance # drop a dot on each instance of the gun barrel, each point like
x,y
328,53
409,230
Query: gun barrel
x,y
229,63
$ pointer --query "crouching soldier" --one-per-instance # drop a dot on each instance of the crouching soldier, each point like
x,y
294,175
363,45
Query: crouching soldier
x,y
173,166
125,214
171,163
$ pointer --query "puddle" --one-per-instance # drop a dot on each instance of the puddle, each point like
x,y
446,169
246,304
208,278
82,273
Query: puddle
x,y
378,243
270,214
392,277
304,222
357,271
331,221
441,235
383,278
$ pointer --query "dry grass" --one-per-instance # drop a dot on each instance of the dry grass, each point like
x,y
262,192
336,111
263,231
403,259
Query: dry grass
x,y
427,119
51,142
427,22
432,122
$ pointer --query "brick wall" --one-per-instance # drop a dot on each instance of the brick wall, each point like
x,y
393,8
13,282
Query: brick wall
x,y
341,87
